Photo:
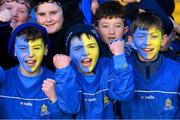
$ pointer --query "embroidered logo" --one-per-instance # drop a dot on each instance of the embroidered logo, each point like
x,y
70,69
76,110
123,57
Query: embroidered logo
x,y
106,100
168,105
44,110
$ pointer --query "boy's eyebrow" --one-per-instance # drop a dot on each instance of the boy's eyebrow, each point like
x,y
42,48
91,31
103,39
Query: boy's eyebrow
x,y
37,45
91,44
143,29
22,45
21,2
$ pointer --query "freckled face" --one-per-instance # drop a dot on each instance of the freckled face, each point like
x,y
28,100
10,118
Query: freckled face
x,y
29,54
148,43
84,53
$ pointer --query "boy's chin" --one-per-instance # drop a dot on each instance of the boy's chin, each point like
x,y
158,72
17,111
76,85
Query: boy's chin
x,y
147,59
87,72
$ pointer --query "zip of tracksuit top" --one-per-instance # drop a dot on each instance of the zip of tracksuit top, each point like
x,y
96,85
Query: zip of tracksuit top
x,y
148,68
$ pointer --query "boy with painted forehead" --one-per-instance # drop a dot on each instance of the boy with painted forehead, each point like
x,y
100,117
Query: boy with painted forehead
x,y
95,83
156,78
27,90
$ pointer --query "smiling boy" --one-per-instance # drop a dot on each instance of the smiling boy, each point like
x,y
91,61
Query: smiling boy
x,y
28,89
156,77
94,83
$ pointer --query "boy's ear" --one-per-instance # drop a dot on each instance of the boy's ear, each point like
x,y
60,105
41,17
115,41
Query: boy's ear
x,y
46,50
96,27
14,53
165,42
130,38
125,30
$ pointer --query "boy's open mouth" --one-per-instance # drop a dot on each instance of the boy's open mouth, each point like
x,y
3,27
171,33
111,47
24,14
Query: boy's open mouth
x,y
86,62
30,62
147,50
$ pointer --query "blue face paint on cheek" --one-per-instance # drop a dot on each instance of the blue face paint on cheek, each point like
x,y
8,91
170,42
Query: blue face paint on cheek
x,y
140,39
22,51
77,53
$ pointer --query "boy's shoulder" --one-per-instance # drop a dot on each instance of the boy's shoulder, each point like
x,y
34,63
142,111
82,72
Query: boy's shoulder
x,y
171,62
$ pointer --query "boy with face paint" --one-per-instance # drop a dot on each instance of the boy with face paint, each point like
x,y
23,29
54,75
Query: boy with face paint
x,y
28,90
156,78
95,83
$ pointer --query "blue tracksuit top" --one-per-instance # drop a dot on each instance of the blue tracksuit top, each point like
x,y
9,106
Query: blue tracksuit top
x,y
16,101
157,97
95,100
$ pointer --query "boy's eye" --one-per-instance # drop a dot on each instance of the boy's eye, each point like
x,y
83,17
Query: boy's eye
x,y
53,12
9,8
22,11
154,36
91,46
118,25
77,48
105,26
36,48
41,14
141,36
22,48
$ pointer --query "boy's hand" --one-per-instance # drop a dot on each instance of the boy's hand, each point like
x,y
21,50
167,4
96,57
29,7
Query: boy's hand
x,y
5,15
117,46
61,61
48,87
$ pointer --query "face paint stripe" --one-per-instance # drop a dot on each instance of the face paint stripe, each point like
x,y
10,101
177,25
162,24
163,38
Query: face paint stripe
x,y
148,42
91,49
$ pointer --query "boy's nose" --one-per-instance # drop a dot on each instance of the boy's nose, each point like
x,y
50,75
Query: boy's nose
x,y
86,52
13,13
48,18
30,53
111,30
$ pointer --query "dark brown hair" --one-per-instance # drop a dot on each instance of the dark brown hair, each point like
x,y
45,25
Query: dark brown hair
x,y
146,20
109,9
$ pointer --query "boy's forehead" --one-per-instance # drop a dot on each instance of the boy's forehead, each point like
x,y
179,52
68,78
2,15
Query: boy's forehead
x,y
83,39
112,18
22,39
151,29
58,3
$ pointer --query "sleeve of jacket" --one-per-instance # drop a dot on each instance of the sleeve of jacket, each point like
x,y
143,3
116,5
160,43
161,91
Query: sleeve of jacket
x,y
2,75
154,7
67,88
121,85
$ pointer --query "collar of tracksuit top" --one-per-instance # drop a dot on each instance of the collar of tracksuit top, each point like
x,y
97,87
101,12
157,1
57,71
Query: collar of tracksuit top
x,y
148,68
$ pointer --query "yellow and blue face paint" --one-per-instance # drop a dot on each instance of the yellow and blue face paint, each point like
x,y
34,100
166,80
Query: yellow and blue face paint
x,y
29,54
148,42
84,52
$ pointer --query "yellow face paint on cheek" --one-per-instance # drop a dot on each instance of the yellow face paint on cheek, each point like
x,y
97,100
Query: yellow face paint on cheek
x,y
154,42
36,52
91,49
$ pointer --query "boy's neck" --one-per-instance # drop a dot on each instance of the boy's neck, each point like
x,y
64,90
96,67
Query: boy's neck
x,y
147,60
30,74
